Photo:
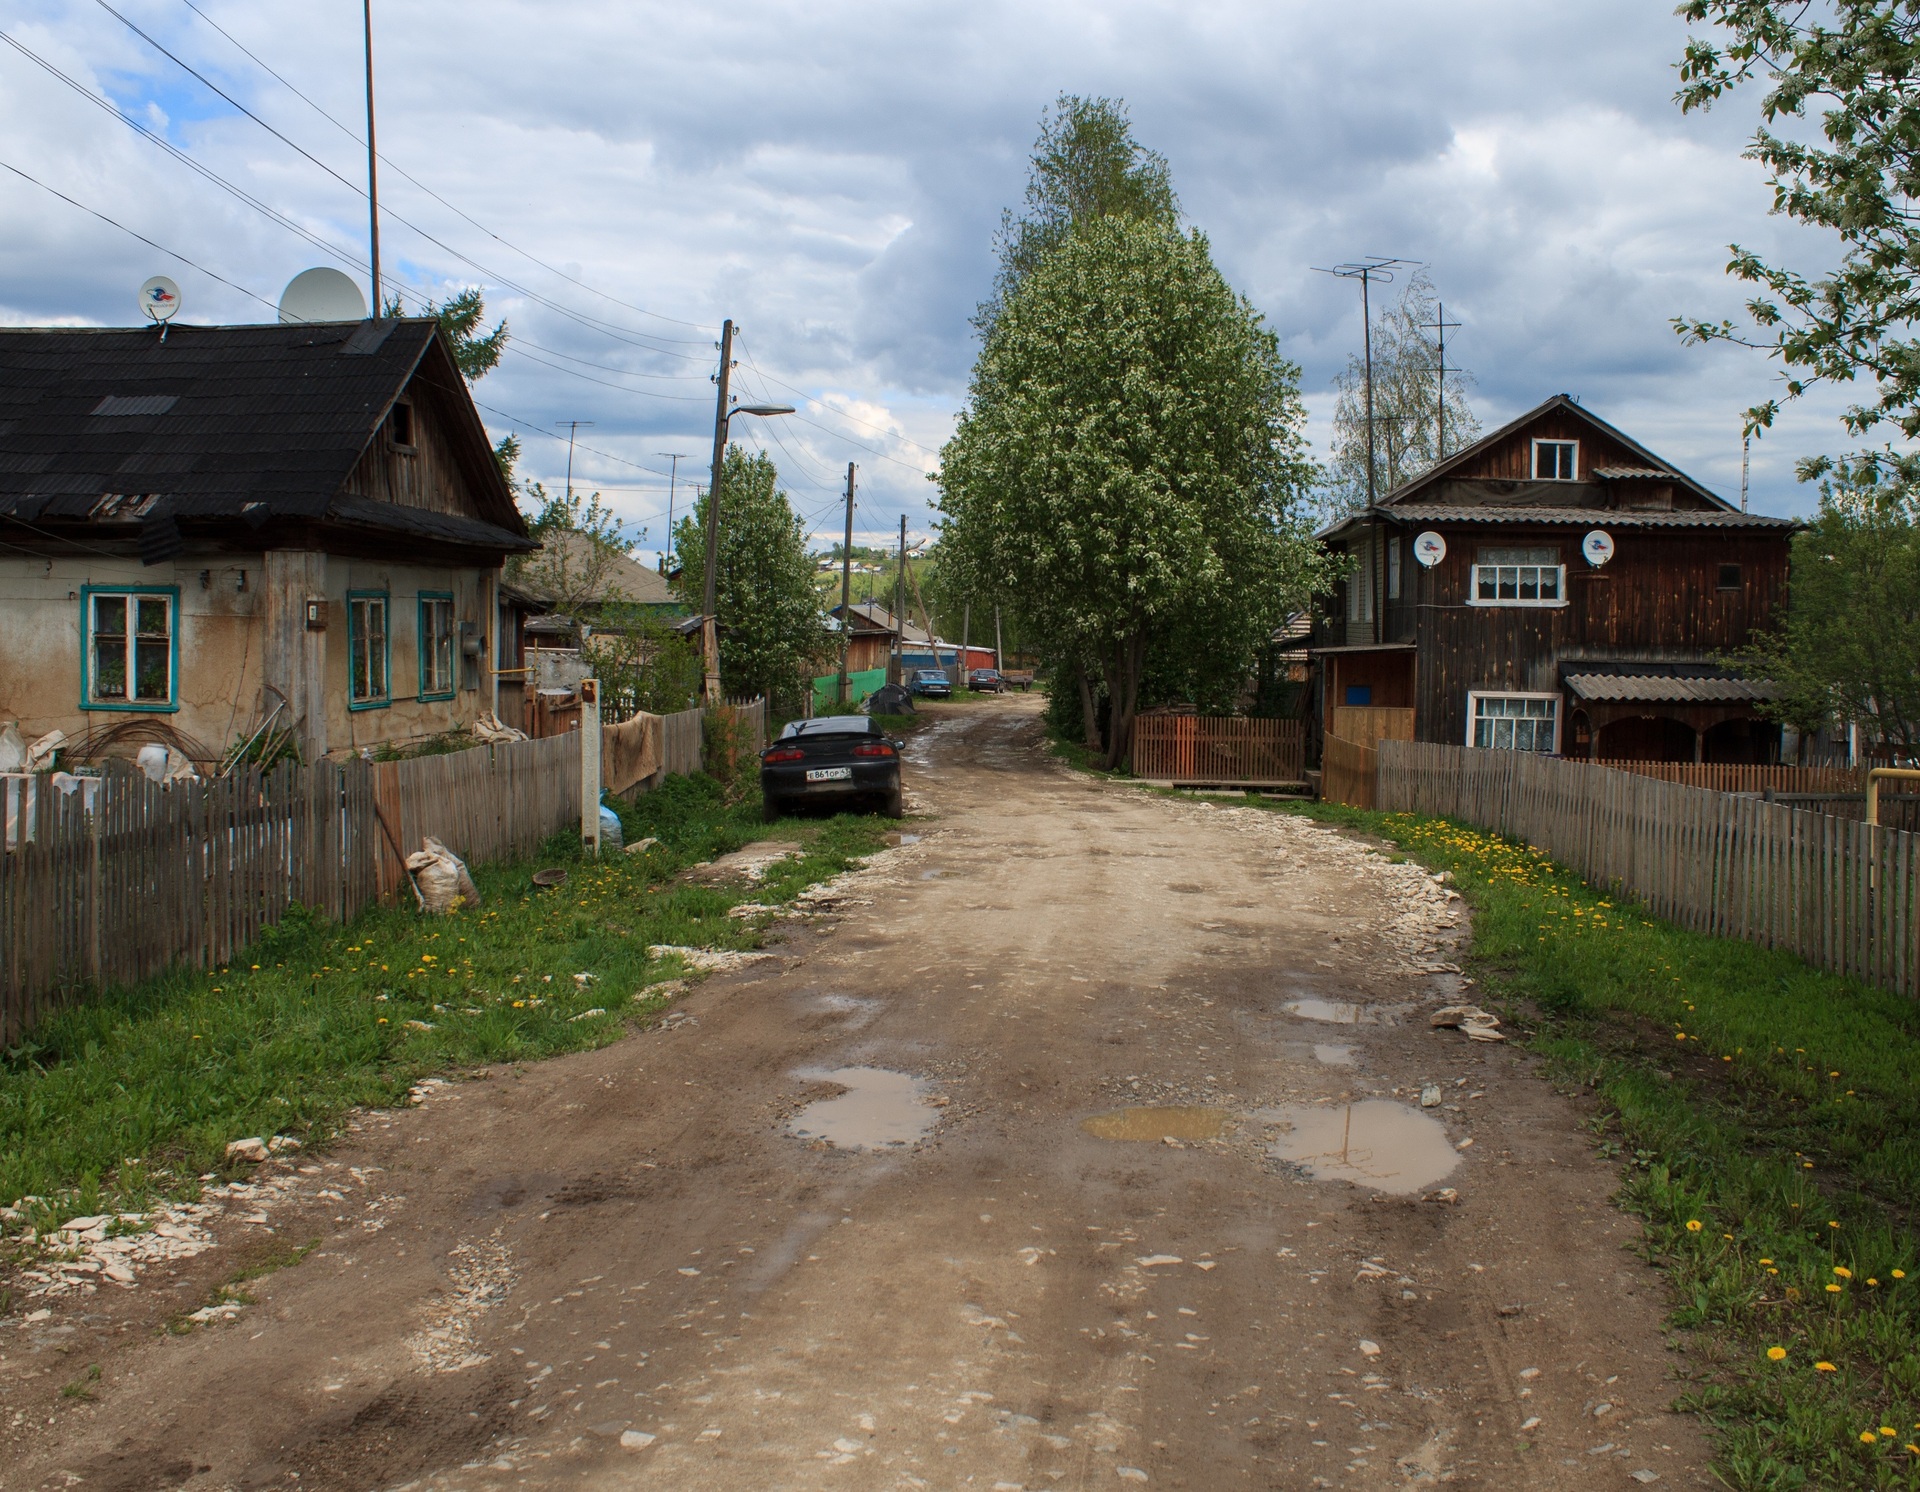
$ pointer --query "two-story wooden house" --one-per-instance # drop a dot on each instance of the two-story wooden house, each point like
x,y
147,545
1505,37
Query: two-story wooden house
x,y
1554,587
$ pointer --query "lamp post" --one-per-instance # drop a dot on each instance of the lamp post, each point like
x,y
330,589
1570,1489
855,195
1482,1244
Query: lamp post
x,y
709,623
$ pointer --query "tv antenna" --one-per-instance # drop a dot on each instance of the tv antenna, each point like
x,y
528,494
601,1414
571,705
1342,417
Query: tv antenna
x,y
1367,271
1439,325
676,457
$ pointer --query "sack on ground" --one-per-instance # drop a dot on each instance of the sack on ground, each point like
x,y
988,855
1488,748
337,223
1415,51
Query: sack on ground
x,y
441,878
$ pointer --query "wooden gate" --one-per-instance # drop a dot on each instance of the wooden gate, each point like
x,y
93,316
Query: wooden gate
x,y
1219,751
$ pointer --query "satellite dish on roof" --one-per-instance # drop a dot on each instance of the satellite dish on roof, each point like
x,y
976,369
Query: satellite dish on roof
x,y
322,295
160,299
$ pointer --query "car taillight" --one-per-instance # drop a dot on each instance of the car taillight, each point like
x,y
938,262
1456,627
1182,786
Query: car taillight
x,y
785,754
878,748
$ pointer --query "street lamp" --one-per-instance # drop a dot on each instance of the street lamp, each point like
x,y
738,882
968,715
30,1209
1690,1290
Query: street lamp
x,y
709,625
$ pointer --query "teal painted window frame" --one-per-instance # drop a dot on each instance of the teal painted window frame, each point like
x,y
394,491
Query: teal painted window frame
x,y
385,700
453,656
130,707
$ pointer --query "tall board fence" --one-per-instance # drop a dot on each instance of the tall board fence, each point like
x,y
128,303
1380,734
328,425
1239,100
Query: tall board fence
x,y
1347,770
121,878
1219,751
1839,893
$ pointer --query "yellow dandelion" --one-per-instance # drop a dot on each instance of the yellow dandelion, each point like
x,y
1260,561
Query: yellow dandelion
x,y
1825,1367
1833,1289
1844,1272
1766,1261
1833,1225
1693,1225
1774,1354
1888,1431
1867,1437
1899,1274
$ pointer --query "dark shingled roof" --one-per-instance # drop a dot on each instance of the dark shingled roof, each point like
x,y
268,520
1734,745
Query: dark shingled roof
x,y
216,418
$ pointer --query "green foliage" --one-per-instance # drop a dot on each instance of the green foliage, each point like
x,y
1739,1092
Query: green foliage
x,y
1131,463
1849,648
1085,165
642,663
772,634
581,544
1853,63
132,1094
1755,1104
475,352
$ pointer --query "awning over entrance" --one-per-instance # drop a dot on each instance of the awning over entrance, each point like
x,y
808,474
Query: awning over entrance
x,y
1666,688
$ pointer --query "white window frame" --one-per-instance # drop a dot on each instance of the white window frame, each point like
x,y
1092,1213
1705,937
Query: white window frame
x,y
1474,696
1360,598
1540,441
1474,598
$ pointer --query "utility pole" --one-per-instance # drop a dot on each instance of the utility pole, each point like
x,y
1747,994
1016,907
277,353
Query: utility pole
x,y
899,607
373,164
1440,326
673,476
966,633
574,427
846,587
1746,447
709,624
996,637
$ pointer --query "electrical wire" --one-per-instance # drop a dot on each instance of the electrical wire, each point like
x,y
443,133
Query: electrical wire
x,y
822,404
604,383
347,130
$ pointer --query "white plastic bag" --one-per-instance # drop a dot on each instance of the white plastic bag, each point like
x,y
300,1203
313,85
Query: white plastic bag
x,y
162,763
40,753
13,750
440,879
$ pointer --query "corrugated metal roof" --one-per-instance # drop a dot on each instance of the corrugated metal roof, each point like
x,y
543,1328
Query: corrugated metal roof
x,y
1627,688
1415,514
1624,473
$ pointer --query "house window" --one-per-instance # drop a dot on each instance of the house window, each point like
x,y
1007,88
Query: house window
x,y
367,650
436,645
1556,460
1513,722
400,425
1519,577
1360,592
1393,568
1729,577
132,654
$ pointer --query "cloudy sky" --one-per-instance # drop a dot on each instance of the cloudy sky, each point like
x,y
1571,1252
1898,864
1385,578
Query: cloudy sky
x,y
620,176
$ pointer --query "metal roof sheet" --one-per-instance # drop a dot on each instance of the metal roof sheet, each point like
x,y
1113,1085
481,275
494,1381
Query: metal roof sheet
x,y
1414,514
1624,473
1628,688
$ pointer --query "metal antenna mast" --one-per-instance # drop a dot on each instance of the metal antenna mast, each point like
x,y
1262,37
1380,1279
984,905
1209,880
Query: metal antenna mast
x,y
1440,325
1373,267
373,163
574,427
672,477
1746,448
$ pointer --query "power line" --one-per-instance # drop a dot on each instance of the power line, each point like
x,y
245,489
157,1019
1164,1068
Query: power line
x,y
839,413
604,383
400,171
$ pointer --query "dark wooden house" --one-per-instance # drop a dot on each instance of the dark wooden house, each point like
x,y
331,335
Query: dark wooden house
x,y
1554,587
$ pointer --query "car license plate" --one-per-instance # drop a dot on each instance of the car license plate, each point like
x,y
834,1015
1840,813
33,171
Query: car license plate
x,y
830,774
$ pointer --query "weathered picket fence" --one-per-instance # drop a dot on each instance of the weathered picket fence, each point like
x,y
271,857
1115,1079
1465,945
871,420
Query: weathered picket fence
x,y
1219,751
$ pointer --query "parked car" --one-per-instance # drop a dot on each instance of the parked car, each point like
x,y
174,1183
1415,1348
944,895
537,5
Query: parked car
x,y
931,683
986,681
836,762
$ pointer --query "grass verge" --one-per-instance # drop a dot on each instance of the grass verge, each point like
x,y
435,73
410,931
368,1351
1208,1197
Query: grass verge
x,y
132,1095
1767,1117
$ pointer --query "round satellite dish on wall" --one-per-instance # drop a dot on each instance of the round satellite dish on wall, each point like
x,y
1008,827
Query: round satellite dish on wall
x,y
1597,547
322,295
1429,548
159,299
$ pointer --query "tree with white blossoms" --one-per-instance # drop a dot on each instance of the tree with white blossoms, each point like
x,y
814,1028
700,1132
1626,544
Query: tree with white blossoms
x,y
1132,462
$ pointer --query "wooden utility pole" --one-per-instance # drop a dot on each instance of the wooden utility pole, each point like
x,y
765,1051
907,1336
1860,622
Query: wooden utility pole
x,y
966,634
373,166
709,623
996,636
899,609
846,588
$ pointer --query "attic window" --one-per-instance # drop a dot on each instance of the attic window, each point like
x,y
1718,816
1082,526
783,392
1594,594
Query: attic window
x,y
1556,460
132,404
1729,577
400,425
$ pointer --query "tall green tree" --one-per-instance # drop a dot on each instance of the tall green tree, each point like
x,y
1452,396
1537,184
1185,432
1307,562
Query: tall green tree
x,y
1408,391
1132,460
772,632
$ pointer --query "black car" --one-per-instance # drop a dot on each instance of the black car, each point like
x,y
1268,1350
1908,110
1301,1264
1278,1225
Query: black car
x,y
835,762
986,681
930,683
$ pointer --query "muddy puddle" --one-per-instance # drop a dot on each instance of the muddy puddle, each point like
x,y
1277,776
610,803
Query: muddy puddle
x,y
1342,1012
1333,1054
880,1110
1375,1143
1156,1124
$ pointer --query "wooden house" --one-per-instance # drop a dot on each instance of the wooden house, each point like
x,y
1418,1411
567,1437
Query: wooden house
x,y
1554,587
239,526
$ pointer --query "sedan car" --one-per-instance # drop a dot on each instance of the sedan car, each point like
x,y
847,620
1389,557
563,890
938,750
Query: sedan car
x,y
986,681
836,762
930,683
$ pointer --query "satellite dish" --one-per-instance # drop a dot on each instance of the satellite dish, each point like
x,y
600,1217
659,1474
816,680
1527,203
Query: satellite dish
x,y
1429,548
1597,547
322,295
160,299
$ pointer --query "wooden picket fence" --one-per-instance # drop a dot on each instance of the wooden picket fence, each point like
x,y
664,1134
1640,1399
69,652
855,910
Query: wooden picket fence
x,y
1219,751
1347,770
1839,893
1741,777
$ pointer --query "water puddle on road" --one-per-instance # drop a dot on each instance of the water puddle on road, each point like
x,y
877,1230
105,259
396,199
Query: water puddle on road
x,y
1341,1012
1375,1142
1332,1054
880,1110
1156,1124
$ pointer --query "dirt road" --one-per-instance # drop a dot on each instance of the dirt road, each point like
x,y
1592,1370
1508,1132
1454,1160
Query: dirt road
x,y
1155,1200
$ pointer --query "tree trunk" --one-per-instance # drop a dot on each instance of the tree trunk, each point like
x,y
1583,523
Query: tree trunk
x,y
1089,709
1123,688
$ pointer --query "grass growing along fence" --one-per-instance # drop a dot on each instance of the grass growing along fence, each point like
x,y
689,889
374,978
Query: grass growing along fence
x,y
130,1096
1767,1116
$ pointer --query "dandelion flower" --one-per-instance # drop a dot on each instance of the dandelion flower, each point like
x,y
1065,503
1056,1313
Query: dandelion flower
x,y
1899,1274
1888,1431
1867,1437
1825,1367
1693,1225
1766,1261
1833,1289
1844,1272
1871,1280
1774,1354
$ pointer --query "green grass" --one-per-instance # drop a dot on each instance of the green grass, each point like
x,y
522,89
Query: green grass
x,y
131,1095
1768,1119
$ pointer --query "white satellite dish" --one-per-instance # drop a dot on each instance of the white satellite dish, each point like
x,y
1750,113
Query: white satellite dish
x,y
1597,547
1429,548
322,295
160,299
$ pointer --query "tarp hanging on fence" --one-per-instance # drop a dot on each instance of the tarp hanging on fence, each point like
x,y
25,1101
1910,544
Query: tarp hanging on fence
x,y
630,752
